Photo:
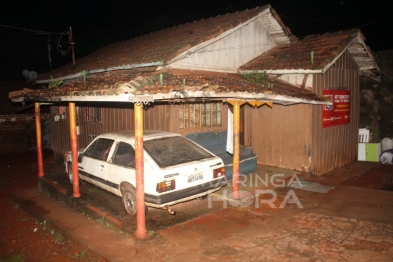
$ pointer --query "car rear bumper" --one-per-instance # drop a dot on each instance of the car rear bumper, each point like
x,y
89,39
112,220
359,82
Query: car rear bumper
x,y
178,196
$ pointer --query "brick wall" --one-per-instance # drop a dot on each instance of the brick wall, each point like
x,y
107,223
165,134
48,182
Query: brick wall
x,y
18,134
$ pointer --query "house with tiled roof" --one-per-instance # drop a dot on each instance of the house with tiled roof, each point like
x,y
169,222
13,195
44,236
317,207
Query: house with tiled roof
x,y
17,120
327,64
188,77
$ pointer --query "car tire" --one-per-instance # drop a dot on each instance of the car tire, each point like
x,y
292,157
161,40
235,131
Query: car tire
x,y
129,201
70,175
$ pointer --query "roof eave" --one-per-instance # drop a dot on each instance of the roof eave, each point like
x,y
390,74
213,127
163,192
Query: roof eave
x,y
284,71
177,96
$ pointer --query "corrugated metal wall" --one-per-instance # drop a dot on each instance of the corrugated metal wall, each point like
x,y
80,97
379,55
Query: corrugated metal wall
x,y
60,132
281,135
334,147
115,117
119,116
292,136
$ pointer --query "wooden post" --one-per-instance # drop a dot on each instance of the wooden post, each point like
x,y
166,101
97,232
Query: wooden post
x,y
39,139
139,160
74,150
236,147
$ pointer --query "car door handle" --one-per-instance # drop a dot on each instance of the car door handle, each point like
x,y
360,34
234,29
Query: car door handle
x,y
101,165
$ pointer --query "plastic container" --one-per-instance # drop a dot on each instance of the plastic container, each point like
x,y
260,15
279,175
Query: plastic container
x,y
387,143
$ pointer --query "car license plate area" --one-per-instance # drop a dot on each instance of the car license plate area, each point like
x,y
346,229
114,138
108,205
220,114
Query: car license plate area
x,y
194,177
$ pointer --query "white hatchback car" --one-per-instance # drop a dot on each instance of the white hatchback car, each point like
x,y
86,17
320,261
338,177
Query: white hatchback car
x,y
176,169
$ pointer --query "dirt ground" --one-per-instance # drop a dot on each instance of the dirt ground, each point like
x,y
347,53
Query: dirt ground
x,y
22,237
25,239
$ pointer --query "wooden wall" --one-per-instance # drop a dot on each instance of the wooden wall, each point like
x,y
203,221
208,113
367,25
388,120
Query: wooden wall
x,y
334,147
281,135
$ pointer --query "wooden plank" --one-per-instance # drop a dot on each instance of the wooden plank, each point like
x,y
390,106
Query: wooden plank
x,y
19,92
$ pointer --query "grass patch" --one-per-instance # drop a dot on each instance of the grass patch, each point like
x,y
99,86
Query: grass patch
x,y
85,214
105,223
93,190
81,255
58,238
264,242
14,258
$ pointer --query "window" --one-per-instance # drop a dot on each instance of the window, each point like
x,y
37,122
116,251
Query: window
x,y
93,114
124,155
200,115
99,149
170,151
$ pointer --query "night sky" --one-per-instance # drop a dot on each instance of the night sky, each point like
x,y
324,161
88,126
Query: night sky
x,y
99,23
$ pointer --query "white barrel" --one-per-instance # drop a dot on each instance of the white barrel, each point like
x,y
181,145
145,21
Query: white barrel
x,y
387,143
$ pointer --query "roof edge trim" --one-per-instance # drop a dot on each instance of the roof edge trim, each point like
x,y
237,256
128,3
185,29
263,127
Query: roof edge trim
x,y
284,71
174,96
79,75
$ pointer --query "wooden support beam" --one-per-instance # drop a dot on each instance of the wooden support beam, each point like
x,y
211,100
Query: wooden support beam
x,y
260,103
74,150
139,161
39,139
236,146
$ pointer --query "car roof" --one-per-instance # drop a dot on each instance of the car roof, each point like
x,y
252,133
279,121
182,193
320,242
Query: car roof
x,y
128,135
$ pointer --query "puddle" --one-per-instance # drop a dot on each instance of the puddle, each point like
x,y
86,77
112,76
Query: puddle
x,y
310,186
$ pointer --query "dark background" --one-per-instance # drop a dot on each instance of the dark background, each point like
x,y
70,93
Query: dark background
x,y
98,23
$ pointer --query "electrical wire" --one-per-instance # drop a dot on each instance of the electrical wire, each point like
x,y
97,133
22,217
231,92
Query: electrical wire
x,y
25,29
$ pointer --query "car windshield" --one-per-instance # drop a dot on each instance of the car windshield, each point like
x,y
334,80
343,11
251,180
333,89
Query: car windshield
x,y
170,151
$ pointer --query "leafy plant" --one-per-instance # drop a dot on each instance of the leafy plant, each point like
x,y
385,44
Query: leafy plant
x,y
84,76
260,77
54,83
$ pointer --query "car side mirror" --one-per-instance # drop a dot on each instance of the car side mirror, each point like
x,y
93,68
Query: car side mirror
x,y
80,157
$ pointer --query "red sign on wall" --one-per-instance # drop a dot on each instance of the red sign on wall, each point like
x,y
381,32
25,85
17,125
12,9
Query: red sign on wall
x,y
339,112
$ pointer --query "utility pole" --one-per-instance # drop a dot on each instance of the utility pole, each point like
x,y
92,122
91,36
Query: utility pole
x,y
72,45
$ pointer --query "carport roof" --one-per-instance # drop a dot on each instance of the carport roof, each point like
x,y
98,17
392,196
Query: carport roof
x,y
172,85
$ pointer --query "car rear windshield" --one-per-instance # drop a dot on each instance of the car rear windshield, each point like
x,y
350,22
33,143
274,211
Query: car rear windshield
x,y
170,151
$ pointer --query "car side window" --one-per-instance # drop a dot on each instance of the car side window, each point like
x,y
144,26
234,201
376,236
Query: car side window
x,y
124,155
99,149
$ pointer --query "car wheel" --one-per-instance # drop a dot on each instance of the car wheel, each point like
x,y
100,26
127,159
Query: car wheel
x,y
70,174
129,201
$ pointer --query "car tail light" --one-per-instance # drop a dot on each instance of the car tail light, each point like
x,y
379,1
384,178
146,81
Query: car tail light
x,y
166,186
219,172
